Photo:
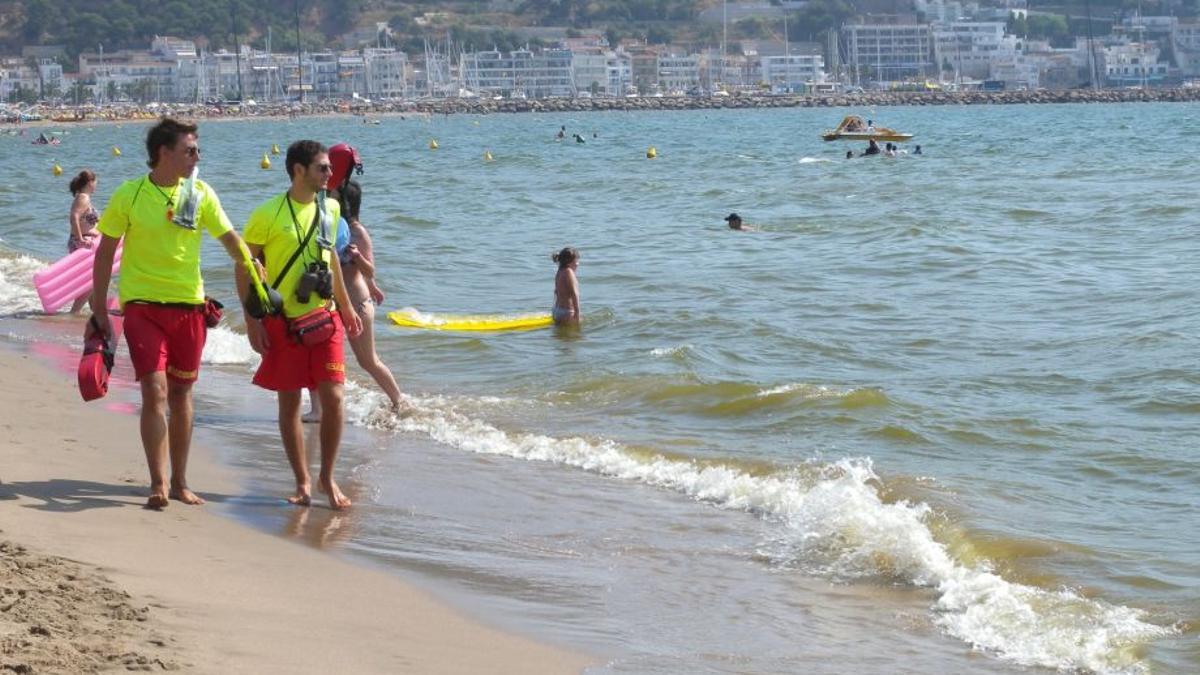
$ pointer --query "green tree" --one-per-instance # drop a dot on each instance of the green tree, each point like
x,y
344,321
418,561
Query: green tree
x,y
658,35
41,17
819,16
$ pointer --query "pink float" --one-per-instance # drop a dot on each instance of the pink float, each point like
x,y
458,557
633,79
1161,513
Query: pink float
x,y
69,278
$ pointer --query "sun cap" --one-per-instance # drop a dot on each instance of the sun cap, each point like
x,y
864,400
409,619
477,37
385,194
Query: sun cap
x,y
343,158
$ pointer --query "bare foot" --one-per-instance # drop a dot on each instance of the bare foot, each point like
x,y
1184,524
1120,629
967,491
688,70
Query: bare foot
x,y
186,496
337,500
302,496
157,501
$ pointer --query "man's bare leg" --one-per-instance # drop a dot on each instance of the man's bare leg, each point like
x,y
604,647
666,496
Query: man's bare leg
x,y
314,413
154,436
332,413
292,433
179,429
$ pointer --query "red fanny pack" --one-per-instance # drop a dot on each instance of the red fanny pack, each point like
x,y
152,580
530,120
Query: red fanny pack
x,y
312,329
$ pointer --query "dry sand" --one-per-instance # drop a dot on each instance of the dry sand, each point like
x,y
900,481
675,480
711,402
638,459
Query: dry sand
x,y
89,580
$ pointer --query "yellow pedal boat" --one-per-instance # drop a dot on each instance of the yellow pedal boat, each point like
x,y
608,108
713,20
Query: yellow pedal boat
x,y
853,128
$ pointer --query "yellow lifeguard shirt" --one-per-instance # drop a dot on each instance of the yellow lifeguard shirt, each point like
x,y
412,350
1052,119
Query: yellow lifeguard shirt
x,y
161,260
273,227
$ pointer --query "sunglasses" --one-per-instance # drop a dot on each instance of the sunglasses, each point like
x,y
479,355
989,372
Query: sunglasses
x,y
325,168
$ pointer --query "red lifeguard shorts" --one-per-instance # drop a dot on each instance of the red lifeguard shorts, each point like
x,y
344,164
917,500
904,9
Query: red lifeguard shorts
x,y
165,337
289,365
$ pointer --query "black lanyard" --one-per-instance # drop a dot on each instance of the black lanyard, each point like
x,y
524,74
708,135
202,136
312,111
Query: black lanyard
x,y
296,226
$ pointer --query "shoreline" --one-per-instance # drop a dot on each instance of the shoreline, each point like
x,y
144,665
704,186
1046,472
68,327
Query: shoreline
x,y
90,114
189,588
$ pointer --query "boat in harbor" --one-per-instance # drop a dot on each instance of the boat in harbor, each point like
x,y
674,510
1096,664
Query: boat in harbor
x,y
853,128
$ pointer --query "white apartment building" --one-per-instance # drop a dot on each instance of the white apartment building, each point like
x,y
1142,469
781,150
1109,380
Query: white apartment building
x,y
792,72
888,52
678,74
1017,71
968,48
590,68
387,72
1133,64
128,69
521,72
620,73
1187,47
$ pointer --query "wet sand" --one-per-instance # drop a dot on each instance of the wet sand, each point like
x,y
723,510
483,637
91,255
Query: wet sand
x,y
90,580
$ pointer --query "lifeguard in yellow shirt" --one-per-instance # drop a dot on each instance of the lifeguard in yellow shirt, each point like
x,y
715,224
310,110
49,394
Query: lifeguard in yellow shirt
x,y
162,293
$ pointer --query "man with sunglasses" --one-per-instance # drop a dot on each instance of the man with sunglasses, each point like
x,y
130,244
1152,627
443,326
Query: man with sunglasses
x,y
162,293
303,345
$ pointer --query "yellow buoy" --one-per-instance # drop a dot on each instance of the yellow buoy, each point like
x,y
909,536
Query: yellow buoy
x,y
433,144
274,149
266,162
116,151
487,155
57,170
651,153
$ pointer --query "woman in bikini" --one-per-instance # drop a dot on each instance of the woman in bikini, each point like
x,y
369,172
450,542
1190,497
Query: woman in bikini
x,y
358,273
83,221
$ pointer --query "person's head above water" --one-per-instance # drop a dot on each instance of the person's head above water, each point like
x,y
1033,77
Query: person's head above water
x,y
734,220
849,154
565,257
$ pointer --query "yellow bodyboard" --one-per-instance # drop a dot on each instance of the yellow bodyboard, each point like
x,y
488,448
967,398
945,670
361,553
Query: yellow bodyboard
x,y
411,318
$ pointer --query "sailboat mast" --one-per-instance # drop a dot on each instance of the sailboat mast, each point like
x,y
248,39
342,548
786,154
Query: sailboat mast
x,y
237,51
299,62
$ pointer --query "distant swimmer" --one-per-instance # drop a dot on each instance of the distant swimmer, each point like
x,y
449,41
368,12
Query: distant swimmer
x,y
890,151
849,154
735,223
917,150
566,288
579,139
872,148
562,132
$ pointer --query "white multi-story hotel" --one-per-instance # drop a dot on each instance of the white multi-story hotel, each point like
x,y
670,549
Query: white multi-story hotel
x,y
792,72
678,74
888,52
590,68
386,71
521,72
969,48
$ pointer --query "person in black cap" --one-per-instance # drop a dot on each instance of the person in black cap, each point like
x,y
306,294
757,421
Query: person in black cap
x,y
735,223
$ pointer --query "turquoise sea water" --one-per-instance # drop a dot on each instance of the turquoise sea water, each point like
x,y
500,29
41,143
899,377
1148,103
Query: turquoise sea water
x,y
939,413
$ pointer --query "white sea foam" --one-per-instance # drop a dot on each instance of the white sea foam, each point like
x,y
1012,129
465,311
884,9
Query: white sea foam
x,y
813,391
17,293
226,347
679,350
813,160
833,522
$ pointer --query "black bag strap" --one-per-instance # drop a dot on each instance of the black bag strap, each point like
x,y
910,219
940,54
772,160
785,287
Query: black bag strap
x,y
303,245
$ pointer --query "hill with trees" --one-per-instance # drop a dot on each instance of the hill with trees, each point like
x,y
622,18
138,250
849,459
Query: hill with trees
x,y
479,24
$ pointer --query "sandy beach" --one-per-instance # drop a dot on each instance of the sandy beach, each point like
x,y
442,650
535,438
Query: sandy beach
x,y
89,580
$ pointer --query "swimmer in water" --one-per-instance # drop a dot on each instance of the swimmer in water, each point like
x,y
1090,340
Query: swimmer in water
x,y
566,288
